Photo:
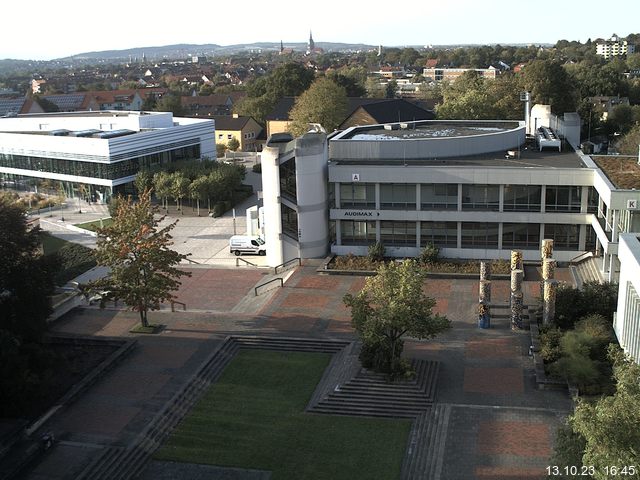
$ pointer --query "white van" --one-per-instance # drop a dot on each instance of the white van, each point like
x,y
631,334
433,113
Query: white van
x,y
247,244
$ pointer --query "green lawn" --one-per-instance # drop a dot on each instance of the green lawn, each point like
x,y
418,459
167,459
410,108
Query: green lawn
x,y
253,417
95,225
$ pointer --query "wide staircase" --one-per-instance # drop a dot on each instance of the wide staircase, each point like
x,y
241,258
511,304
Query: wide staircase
x,y
587,270
125,462
371,394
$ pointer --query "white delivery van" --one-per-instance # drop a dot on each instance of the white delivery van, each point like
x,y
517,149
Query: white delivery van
x,y
247,244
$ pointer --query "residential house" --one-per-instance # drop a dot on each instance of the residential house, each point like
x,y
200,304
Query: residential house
x,y
244,129
450,74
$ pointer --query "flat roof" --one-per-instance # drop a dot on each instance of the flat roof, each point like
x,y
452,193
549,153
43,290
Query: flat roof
x,y
527,156
622,171
428,129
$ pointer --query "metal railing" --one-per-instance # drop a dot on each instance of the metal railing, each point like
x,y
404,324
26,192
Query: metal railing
x,y
173,305
267,283
285,266
238,260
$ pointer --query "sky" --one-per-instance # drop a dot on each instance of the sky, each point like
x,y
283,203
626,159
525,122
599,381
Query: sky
x,y
45,30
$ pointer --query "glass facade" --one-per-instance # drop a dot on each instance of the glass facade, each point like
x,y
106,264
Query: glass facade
x,y
481,197
358,233
522,198
479,235
398,196
103,170
521,235
289,221
357,195
565,237
563,199
398,233
439,196
441,234
288,186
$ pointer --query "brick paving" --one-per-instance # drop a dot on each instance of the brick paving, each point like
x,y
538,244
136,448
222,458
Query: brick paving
x,y
501,426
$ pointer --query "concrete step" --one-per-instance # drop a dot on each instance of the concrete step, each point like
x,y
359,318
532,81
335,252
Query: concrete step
x,y
366,412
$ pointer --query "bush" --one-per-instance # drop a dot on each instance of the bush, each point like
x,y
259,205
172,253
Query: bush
x,y
257,168
74,260
430,254
219,208
376,252
573,304
550,344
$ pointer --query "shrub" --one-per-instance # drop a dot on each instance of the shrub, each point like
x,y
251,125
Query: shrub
x,y
74,260
430,254
573,304
219,208
376,252
550,344
257,168
576,364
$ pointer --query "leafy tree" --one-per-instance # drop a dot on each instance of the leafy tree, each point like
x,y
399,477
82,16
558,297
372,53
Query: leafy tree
x,y
390,89
221,148
549,84
143,180
324,102
628,144
162,186
26,277
142,267
376,252
233,144
170,102
609,425
392,304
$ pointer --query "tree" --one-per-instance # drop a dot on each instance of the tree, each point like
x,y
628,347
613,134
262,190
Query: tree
x,y
26,277
609,425
628,144
233,144
324,102
143,180
142,267
170,102
549,84
221,148
392,304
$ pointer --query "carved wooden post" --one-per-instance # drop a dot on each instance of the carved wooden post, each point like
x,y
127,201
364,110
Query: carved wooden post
x,y
516,280
548,268
517,304
546,251
549,301
485,270
516,260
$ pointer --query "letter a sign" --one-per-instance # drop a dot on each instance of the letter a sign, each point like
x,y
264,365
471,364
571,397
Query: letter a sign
x,y
355,177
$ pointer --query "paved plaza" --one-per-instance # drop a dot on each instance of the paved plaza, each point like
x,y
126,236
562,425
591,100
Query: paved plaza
x,y
495,423
498,424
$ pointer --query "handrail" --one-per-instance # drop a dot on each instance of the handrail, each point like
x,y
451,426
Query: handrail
x,y
192,261
582,256
298,259
173,305
238,259
267,283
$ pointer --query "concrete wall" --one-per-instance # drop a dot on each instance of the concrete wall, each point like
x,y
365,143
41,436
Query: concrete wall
x,y
627,319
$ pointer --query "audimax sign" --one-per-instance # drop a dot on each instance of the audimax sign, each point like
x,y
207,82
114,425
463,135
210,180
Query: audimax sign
x,y
361,213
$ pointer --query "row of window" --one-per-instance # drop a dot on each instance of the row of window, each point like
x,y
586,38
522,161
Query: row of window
x,y
109,171
472,234
516,198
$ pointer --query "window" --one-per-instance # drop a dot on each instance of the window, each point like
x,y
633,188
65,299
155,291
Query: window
x,y
229,136
481,197
288,186
441,234
522,198
521,235
398,196
398,233
289,221
359,195
479,235
220,136
358,232
592,200
439,196
563,199
565,237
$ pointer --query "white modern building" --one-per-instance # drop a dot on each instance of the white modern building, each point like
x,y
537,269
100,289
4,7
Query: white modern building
x,y
627,319
614,47
101,150
476,189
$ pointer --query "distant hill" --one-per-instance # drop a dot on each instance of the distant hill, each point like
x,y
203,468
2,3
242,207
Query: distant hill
x,y
184,50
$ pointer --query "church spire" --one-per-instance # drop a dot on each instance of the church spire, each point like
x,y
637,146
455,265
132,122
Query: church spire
x,y
311,45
